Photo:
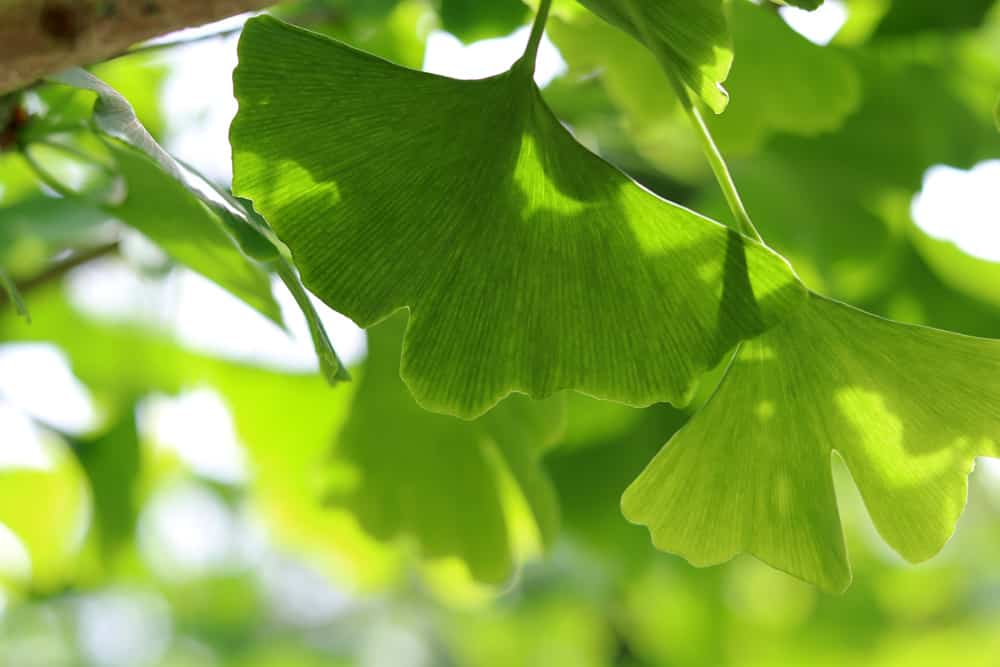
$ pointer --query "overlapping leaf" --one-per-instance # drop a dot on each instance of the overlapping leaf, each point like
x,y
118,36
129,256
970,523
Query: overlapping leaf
x,y
690,38
527,263
908,408
438,479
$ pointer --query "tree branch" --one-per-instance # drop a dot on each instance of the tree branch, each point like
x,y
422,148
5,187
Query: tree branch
x,y
60,269
40,37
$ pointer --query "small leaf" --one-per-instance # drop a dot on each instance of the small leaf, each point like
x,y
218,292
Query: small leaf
x,y
114,115
439,479
165,210
528,264
14,294
908,408
690,38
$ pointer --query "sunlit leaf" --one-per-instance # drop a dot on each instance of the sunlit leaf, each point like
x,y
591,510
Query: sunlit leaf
x,y
907,408
527,263
690,38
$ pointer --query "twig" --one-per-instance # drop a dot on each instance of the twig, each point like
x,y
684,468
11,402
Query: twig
x,y
61,268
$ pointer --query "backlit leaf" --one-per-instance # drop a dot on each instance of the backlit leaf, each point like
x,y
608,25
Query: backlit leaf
x,y
528,264
908,409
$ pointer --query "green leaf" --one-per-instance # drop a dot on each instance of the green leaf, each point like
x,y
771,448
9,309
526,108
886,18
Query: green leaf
x,y
47,509
528,264
781,82
915,16
690,38
908,409
14,294
165,210
471,20
438,479
112,462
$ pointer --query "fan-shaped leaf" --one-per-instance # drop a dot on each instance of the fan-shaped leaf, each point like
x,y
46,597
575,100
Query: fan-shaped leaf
x,y
908,408
528,264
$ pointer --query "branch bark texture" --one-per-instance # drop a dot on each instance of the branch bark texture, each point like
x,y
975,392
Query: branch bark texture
x,y
40,37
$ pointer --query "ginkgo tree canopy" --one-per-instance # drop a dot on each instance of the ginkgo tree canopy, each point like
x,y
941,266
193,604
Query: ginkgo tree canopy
x,y
687,293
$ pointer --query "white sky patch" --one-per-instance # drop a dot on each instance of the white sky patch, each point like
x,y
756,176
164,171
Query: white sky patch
x,y
36,378
819,26
206,318
446,55
962,207
198,102
186,532
123,629
22,444
196,426
209,319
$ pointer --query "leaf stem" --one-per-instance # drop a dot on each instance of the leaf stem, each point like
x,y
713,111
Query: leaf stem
x,y
535,40
708,145
715,159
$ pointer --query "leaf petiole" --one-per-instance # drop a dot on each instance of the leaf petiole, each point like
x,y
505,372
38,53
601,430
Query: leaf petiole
x,y
537,29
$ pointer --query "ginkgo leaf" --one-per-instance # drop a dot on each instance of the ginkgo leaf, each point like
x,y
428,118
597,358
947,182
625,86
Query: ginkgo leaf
x,y
439,479
690,38
527,263
908,409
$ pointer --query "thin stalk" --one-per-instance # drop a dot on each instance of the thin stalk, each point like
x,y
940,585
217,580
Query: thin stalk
x,y
537,29
711,150
715,159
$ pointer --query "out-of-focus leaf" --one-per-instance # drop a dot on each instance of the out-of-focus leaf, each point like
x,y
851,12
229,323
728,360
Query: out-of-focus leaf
x,y
591,476
288,440
13,294
112,463
837,205
908,408
976,277
913,16
472,20
47,508
781,82
414,196
643,106
690,39
408,472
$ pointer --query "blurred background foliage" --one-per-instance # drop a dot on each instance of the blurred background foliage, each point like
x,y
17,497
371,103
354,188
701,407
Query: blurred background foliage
x,y
178,486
